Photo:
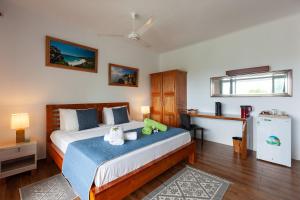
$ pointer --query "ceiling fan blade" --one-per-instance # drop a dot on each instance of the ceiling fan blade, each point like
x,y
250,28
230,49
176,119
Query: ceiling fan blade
x,y
110,35
144,43
143,29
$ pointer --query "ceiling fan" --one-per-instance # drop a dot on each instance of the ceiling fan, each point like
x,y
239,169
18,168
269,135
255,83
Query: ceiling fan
x,y
135,34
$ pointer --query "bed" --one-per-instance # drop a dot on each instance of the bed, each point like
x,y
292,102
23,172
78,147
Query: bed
x,y
116,179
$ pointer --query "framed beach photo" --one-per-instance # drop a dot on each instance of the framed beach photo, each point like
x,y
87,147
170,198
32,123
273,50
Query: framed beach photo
x,y
120,75
69,55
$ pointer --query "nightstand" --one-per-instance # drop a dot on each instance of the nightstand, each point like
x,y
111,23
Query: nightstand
x,y
17,158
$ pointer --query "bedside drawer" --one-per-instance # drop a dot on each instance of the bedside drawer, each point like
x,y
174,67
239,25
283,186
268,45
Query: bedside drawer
x,y
16,152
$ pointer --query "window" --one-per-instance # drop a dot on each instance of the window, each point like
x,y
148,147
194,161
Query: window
x,y
278,83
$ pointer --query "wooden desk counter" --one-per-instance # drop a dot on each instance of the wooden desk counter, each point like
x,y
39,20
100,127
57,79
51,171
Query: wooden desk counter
x,y
213,116
244,149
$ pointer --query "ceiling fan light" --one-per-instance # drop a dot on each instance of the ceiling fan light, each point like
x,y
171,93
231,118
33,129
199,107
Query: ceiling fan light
x,y
134,36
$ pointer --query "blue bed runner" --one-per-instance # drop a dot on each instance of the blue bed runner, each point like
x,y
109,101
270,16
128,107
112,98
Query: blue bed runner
x,y
83,157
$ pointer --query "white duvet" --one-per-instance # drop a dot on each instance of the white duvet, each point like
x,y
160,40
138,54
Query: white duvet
x,y
122,165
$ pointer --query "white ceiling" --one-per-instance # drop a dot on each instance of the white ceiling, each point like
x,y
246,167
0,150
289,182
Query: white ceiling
x,y
177,22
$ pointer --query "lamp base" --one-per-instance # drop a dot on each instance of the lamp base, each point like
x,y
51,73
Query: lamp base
x,y
20,136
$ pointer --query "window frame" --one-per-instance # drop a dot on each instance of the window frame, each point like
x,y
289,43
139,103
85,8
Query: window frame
x,y
289,92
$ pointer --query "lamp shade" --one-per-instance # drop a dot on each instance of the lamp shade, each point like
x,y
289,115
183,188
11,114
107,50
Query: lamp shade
x,y
145,109
19,121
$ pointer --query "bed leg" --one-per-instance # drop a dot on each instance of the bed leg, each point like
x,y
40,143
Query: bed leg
x,y
192,158
92,195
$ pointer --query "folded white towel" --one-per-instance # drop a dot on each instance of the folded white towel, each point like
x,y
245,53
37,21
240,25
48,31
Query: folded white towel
x,y
116,142
116,136
106,137
130,135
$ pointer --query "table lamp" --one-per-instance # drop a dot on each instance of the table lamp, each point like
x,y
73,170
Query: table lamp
x,y
19,122
145,111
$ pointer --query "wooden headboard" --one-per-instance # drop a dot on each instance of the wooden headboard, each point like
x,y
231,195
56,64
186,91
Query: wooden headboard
x,y
52,113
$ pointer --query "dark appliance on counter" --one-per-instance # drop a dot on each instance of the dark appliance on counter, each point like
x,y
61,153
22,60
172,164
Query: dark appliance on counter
x,y
218,109
245,111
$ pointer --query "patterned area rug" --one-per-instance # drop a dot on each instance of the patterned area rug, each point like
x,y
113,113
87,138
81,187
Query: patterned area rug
x,y
53,188
190,184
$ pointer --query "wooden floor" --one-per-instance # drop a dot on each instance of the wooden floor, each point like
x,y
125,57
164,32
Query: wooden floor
x,y
251,179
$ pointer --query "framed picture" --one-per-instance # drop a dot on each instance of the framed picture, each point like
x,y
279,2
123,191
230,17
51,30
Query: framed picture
x,y
123,76
69,55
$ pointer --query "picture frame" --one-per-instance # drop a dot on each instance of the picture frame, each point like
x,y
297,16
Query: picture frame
x,y
120,75
69,55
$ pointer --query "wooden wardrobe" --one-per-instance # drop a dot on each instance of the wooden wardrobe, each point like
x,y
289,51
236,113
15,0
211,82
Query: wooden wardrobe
x,y
168,96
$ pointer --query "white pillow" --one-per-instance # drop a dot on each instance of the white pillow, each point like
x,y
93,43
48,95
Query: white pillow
x,y
68,120
108,116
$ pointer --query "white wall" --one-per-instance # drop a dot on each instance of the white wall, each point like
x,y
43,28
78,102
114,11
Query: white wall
x,y
276,44
27,85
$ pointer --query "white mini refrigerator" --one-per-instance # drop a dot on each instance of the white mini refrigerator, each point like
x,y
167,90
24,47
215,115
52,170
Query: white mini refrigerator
x,y
274,139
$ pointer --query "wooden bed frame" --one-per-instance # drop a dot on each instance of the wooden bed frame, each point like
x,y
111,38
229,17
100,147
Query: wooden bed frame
x,y
122,186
